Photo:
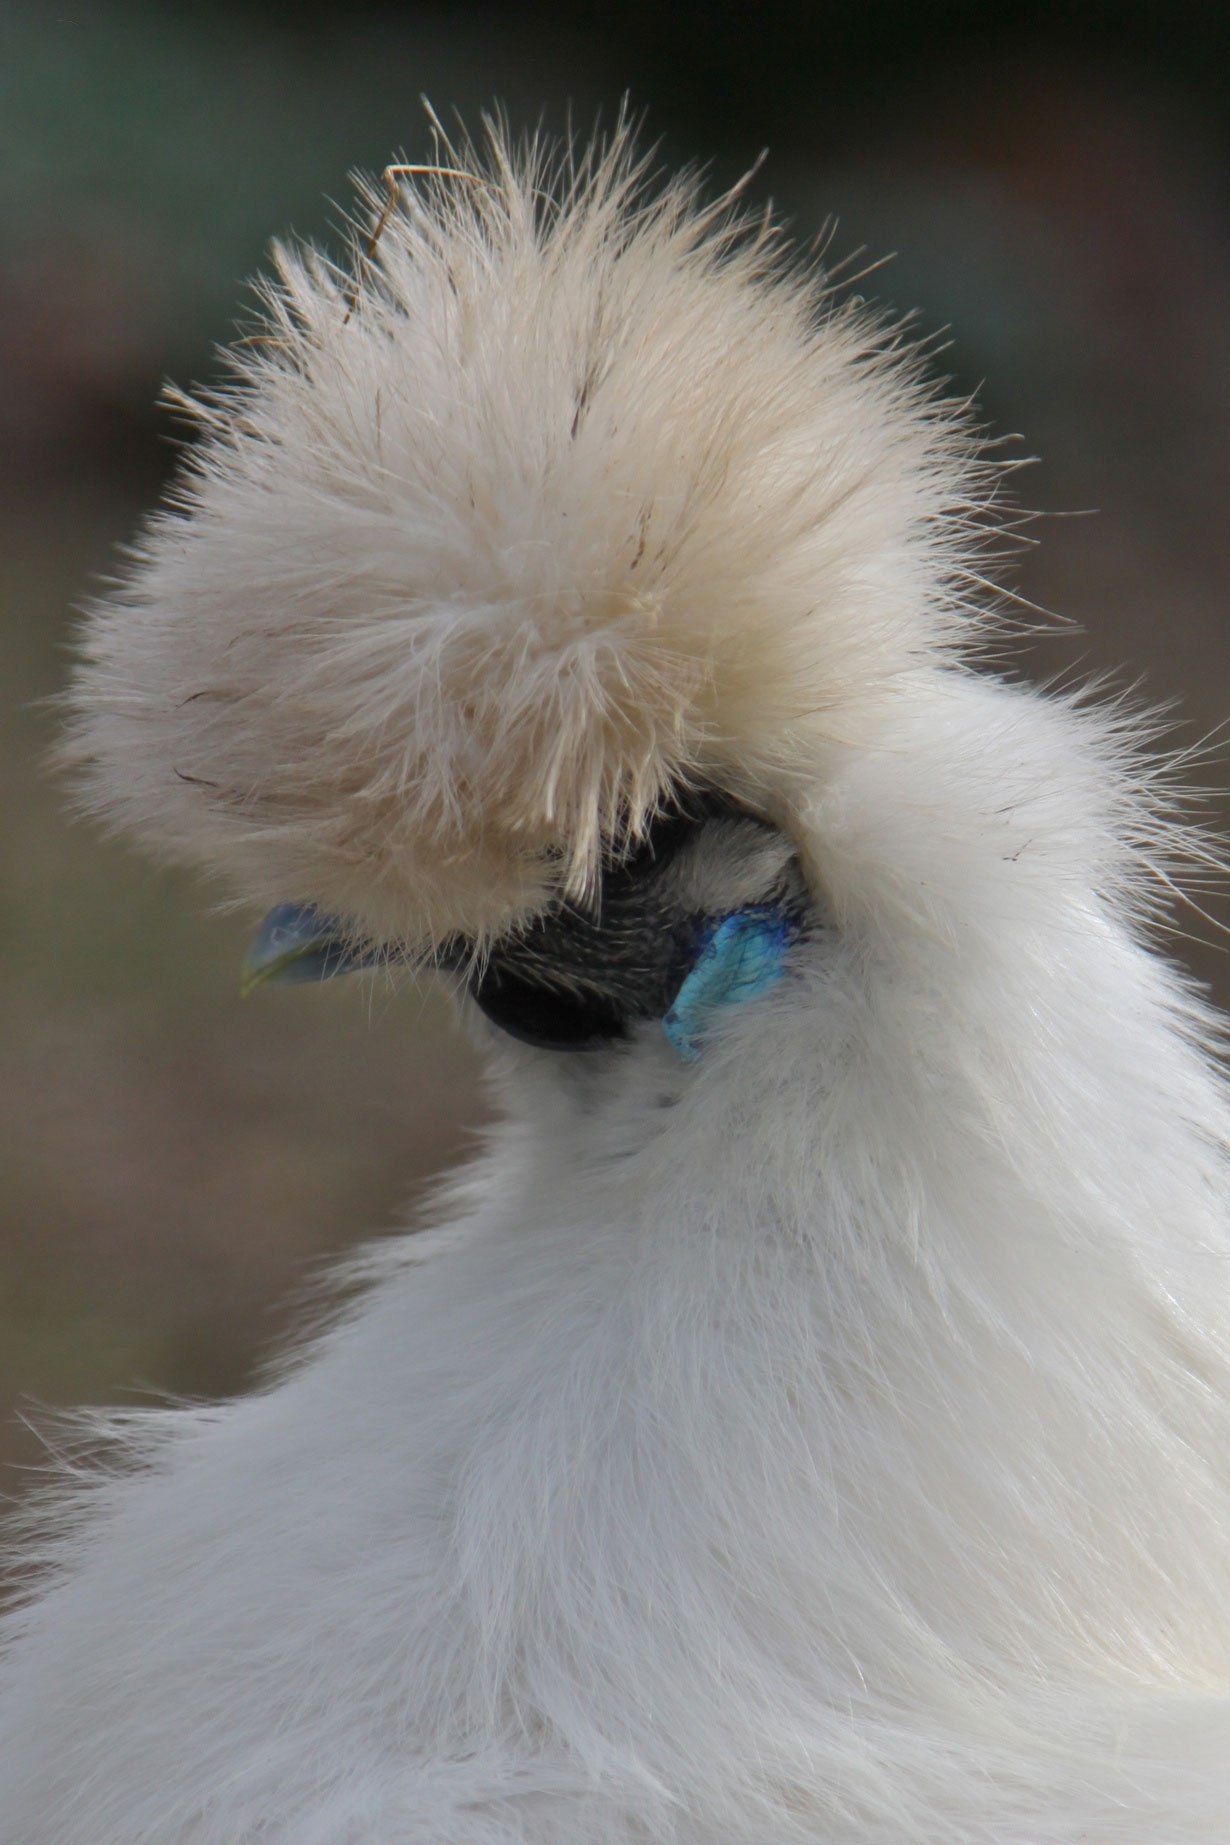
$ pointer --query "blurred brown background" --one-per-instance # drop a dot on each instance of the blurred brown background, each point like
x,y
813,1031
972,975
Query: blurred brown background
x,y
173,1162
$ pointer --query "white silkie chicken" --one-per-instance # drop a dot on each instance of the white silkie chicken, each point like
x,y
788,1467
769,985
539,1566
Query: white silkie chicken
x,y
809,1420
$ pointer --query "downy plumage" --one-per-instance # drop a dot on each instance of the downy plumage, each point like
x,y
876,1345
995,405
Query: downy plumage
x,y
819,1436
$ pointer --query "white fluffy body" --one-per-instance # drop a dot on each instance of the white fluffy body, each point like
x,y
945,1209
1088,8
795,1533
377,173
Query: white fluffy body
x,y
823,1443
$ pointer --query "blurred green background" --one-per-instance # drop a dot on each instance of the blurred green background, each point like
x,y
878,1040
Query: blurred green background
x,y
175,1163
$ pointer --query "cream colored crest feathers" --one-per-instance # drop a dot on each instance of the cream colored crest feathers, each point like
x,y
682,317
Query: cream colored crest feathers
x,y
570,493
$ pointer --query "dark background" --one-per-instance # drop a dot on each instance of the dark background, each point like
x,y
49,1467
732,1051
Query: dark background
x,y
1053,181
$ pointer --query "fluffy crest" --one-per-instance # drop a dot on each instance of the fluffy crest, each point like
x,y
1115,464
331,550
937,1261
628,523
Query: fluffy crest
x,y
569,495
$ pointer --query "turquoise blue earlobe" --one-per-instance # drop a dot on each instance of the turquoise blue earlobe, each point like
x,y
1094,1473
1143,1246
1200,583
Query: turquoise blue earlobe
x,y
742,956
